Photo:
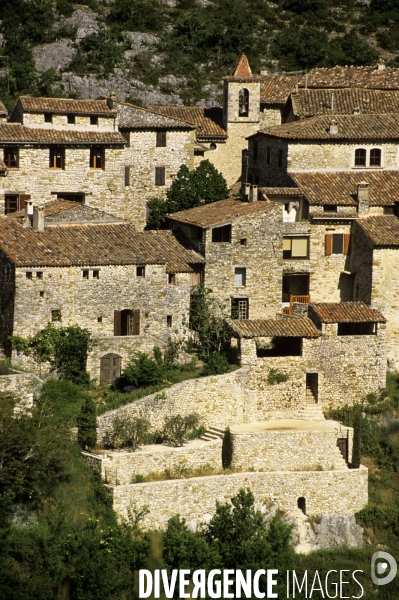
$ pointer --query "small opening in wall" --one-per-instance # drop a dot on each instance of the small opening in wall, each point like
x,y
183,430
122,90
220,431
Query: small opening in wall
x,y
85,274
169,320
140,271
99,319
41,294
172,279
96,274
243,241
28,275
39,275
302,504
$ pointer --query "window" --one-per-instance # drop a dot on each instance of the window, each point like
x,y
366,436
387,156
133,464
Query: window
x,y
161,139
56,315
255,150
212,146
48,118
96,157
39,275
221,234
159,175
28,274
11,203
239,308
71,197
296,247
93,120
140,271
337,243
331,208
243,102
127,175
169,320
356,328
56,158
389,210
99,319
41,294
96,274
280,158
172,279
71,119
85,274
375,157
360,157
268,155
11,157
243,241
240,275
126,322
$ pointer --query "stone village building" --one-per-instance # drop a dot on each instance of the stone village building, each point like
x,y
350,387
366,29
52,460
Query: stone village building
x,y
75,265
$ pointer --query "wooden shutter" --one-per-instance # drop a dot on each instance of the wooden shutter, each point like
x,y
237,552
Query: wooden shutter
x,y
117,322
136,322
23,198
159,175
127,175
328,244
347,243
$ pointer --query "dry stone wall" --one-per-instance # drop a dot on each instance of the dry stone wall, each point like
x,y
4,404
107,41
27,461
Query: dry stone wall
x,y
20,385
325,492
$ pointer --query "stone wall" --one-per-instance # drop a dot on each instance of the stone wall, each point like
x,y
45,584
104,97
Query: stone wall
x,y
219,400
261,255
326,492
19,385
103,188
141,156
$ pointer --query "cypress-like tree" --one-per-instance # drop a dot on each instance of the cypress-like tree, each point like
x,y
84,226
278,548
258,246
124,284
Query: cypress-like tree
x,y
227,449
87,424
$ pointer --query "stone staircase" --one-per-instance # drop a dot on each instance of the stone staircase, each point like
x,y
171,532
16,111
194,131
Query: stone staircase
x,y
310,412
213,433
339,462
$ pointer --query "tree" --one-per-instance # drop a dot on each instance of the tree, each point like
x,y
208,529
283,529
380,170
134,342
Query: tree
x,y
127,433
141,370
227,449
357,424
176,428
87,425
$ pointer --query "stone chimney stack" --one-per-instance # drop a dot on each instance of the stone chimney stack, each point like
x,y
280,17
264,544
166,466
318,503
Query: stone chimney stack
x,y
363,198
38,219
253,193
380,65
27,222
333,128
245,192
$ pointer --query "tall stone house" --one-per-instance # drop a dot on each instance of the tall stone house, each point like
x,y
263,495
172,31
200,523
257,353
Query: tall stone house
x,y
74,265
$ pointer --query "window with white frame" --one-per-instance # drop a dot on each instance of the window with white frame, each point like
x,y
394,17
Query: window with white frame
x,y
368,158
239,308
240,276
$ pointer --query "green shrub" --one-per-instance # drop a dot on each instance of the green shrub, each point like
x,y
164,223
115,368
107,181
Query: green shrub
x,y
138,478
275,376
227,449
356,455
127,433
217,364
141,371
87,425
176,428
196,433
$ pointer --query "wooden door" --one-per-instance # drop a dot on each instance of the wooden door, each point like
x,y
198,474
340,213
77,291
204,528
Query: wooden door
x,y
136,322
110,368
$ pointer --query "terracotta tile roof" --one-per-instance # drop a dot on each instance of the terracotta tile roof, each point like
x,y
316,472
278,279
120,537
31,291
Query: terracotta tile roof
x,y
97,244
242,69
353,77
383,230
218,212
341,187
345,312
207,121
274,89
15,132
141,118
331,216
350,127
270,192
58,211
31,104
286,327
310,102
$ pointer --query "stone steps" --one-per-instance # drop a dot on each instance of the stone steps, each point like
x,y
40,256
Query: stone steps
x,y
213,433
339,463
310,412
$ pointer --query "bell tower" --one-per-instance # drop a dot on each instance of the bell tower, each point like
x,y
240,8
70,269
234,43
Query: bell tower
x,y
241,98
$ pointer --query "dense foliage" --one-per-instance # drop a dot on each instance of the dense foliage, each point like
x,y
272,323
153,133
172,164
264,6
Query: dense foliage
x,y
197,42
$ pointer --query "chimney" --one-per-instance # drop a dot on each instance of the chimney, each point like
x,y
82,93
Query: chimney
x,y
380,65
111,99
264,72
306,81
363,198
333,128
245,192
253,193
38,219
27,222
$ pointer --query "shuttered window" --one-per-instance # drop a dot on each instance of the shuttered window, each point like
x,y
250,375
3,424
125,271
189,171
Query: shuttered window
x,y
11,157
96,157
11,203
127,175
347,243
159,175
328,244
136,322
161,139
57,158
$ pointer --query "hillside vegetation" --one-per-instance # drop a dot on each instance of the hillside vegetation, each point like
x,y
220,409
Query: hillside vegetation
x,y
177,51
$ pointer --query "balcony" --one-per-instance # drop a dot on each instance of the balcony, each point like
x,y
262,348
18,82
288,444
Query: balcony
x,y
303,299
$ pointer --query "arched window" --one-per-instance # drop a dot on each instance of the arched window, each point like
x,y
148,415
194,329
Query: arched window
x,y
243,102
360,157
302,504
375,157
